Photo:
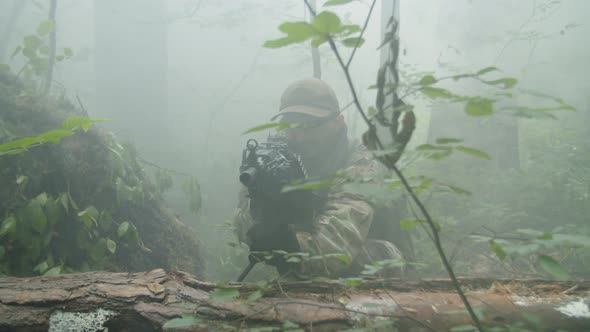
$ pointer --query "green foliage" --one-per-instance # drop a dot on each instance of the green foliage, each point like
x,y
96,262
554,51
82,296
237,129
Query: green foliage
x,y
69,127
308,185
337,2
325,24
376,267
224,294
36,52
552,267
37,237
186,320
278,126
438,152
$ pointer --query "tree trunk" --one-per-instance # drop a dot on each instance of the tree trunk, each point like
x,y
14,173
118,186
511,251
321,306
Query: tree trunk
x,y
146,301
52,47
17,9
315,53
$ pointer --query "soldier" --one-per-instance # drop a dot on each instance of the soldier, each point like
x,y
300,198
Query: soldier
x,y
342,222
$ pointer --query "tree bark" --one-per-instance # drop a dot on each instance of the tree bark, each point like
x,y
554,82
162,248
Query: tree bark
x,y
17,9
146,301
52,47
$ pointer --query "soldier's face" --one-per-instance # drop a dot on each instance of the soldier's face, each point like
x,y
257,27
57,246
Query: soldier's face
x,y
310,135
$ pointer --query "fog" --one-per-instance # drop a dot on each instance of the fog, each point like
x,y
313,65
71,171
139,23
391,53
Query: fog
x,y
182,80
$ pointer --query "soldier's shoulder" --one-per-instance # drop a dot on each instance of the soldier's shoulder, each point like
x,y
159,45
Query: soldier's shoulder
x,y
361,163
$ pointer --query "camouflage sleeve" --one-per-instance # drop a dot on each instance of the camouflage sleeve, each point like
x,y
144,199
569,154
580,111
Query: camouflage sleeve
x,y
341,228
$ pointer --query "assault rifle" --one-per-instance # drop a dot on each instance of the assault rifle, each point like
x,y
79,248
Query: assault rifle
x,y
265,171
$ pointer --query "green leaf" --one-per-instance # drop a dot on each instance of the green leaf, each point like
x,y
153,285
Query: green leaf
x,y
341,257
479,106
42,198
41,267
54,271
68,52
53,211
427,80
337,2
327,22
498,250
448,140
223,294
288,325
546,236
507,82
35,215
406,224
352,282
534,319
63,198
54,136
487,70
319,40
353,42
4,68
123,229
105,220
457,190
45,27
254,296
297,32
473,152
423,185
433,92
186,320
89,216
277,125
8,226
79,122
463,328
31,42
293,259
21,179
311,185
111,246
552,267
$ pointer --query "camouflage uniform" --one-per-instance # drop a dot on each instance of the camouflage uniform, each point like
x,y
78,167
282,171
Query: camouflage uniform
x,y
341,226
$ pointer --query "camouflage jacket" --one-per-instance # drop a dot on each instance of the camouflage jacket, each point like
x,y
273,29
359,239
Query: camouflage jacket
x,y
340,227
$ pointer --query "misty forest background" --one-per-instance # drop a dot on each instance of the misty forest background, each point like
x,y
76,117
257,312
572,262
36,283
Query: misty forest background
x,y
182,80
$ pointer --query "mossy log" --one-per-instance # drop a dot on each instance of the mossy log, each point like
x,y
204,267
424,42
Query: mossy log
x,y
147,301
91,170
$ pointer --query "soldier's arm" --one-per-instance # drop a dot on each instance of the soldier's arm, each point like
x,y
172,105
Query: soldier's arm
x,y
340,229
343,224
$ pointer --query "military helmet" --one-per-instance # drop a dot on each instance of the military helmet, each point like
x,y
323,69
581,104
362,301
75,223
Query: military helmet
x,y
309,96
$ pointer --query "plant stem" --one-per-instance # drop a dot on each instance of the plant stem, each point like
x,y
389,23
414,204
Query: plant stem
x,y
408,188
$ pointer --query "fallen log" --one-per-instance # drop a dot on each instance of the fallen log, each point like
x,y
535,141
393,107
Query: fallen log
x,y
159,300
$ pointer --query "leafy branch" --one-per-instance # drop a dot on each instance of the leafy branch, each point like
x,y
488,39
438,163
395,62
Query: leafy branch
x,y
324,28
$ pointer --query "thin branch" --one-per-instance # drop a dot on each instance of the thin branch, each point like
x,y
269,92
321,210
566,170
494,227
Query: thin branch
x,y
408,188
361,35
163,168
